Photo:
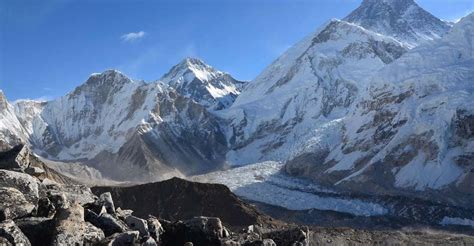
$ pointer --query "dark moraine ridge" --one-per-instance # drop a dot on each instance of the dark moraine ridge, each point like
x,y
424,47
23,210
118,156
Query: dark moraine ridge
x,y
179,199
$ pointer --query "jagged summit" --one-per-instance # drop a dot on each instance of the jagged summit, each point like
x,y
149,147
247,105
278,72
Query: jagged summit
x,y
195,79
3,100
401,19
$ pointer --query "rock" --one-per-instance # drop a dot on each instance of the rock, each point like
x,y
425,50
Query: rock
x,y
122,213
38,230
34,171
69,226
105,199
22,182
188,244
178,233
119,239
289,236
154,227
72,229
9,160
264,242
74,193
108,223
138,224
150,242
13,234
92,234
14,204
209,225
45,208
59,200
268,242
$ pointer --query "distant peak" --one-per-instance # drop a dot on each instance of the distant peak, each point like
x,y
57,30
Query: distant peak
x,y
193,61
3,100
108,79
390,2
404,20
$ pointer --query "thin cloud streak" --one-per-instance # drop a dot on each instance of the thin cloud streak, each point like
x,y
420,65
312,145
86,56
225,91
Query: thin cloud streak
x,y
133,36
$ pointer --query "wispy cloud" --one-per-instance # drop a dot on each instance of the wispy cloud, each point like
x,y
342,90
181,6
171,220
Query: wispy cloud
x,y
133,36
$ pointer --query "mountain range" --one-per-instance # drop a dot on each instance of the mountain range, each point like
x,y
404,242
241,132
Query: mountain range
x,y
378,103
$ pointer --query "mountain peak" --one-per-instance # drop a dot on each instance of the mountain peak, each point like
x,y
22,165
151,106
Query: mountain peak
x,y
195,79
3,100
193,61
190,68
402,19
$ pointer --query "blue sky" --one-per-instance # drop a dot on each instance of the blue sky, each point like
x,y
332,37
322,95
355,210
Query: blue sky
x,y
49,47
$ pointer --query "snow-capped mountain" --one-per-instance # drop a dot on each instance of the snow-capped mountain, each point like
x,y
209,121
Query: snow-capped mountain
x,y
315,82
412,131
401,19
127,129
194,79
11,131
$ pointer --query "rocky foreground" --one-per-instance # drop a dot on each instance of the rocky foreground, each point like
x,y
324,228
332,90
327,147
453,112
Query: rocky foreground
x,y
40,206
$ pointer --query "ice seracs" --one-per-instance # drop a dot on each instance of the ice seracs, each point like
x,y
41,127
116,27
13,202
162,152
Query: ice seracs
x,y
194,79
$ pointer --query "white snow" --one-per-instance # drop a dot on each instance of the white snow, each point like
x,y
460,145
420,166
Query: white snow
x,y
457,221
263,182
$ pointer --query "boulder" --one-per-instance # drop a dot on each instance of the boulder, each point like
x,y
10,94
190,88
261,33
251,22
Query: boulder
x,y
92,234
106,222
154,227
179,232
9,159
22,182
289,236
150,242
208,225
105,199
137,224
73,193
14,204
71,228
10,231
122,213
34,171
45,208
119,239
38,230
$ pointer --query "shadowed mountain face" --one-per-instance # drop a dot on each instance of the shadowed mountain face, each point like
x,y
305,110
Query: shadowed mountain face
x,y
178,199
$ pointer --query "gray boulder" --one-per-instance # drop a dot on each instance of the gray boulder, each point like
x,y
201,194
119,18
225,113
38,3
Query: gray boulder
x,y
71,228
150,242
105,199
12,234
138,224
208,225
37,229
154,227
14,204
22,182
122,239
92,234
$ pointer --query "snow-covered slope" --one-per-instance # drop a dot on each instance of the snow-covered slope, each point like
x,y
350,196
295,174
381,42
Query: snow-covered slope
x,y
401,19
314,83
12,132
127,129
413,131
194,79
